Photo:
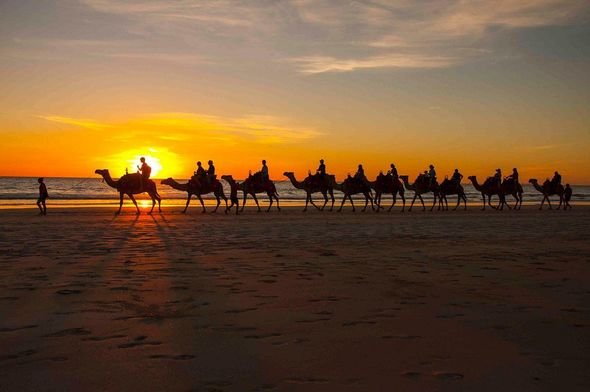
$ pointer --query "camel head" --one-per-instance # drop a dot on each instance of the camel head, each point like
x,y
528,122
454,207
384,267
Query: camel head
x,y
228,178
289,174
404,178
533,181
101,172
472,178
167,181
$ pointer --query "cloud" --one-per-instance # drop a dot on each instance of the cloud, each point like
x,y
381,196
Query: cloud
x,y
77,122
183,127
320,36
318,64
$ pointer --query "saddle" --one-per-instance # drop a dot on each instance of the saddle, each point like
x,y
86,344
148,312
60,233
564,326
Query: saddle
x,y
131,180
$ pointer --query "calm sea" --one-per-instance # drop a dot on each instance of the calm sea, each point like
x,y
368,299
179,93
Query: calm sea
x,y
16,192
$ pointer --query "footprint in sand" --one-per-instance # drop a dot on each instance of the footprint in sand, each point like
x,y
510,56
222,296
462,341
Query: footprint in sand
x,y
68,292
448,376
68,332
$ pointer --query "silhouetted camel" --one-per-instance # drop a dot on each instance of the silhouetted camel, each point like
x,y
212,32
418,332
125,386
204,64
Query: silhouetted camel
x,y
129,185
193,188
384,184
511,187
548,189
252,187
325,187
352,186
448,187
489,188
421,186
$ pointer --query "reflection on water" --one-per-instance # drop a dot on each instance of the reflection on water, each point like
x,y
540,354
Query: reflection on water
x,y
92,192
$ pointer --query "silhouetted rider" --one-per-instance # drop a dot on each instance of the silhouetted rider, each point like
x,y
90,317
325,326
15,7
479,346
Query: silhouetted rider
x,y
457,177
431,176
321,171
210,172
513,176
145,171
393,172
264,171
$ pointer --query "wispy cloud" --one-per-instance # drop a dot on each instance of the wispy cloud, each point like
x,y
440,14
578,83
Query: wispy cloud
x,y
77,122
181,127
314,36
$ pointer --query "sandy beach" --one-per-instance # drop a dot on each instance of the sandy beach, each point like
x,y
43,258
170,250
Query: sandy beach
x,y
473,301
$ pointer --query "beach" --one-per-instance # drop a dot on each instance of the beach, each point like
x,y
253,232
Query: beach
x,y
422,301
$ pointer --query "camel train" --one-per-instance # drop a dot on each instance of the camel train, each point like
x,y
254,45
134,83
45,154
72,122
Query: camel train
x,y
325,184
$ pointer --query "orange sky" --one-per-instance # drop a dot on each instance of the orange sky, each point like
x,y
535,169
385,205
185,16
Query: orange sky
x,y
98,83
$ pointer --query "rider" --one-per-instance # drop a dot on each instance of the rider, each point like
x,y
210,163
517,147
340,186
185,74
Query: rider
x,y
457,177
264,171
498,176
393,172
210,172
556,180
145,171
321,171
431,176
199,173
513,176
360,175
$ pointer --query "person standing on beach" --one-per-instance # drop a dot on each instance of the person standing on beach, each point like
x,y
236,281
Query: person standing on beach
x,y
567,196
43,195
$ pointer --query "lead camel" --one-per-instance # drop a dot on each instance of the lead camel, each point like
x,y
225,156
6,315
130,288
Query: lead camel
x,y
129,185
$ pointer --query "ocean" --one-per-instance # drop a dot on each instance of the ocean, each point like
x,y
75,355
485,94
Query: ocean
x,y
22,192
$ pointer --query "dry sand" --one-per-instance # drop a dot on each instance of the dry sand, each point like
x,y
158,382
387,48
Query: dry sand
x,y
473,301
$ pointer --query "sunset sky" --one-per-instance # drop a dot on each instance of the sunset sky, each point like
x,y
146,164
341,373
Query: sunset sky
x,y
87,84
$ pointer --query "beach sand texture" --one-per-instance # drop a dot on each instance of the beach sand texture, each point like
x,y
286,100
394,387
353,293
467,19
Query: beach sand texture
x,y
473,301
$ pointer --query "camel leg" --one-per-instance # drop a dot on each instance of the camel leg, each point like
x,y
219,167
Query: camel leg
x,y
403,201
351,203
484,202
312,202
422,201
413,200
333,200
256,200
306,202
342,204
218,203
325,194
153,203
549,202
134,202
244,203
435,199
202,204
560,202
120,203
278,205
366,203
270,198
371,200
188,201
394,199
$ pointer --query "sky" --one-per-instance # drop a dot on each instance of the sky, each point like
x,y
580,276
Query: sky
x,y
474,85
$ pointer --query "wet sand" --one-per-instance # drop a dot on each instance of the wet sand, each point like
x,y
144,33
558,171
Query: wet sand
x,y
473,301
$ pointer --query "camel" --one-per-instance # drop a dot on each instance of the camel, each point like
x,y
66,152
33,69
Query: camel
x,y
511,187
548,189
129,185
386,184
421,186
448,187
193,188
324,187
251,187
352,186
489,188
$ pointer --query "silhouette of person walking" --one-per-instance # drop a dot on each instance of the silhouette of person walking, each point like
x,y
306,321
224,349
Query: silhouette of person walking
x,y
43,195
567,196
